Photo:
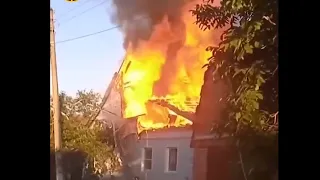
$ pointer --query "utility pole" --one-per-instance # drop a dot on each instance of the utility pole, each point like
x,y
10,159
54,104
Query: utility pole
x,y
56,104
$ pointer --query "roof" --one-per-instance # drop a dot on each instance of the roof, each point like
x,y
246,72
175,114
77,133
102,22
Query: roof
x,y
167,133
209,140
168,129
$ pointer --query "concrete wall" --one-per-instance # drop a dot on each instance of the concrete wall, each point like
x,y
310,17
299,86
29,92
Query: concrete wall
x,y
159,141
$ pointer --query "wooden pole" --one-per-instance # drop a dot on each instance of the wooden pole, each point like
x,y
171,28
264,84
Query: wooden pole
x,y
56,103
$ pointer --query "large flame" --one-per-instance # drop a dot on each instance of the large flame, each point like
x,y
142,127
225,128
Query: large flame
x,y
145,79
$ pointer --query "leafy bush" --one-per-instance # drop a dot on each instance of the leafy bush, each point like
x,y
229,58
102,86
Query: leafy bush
x,y
78,135
247,58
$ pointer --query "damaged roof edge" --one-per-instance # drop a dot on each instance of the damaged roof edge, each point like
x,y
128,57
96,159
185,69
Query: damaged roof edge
x,y
166,129
111,85
104,99
107,93
209,140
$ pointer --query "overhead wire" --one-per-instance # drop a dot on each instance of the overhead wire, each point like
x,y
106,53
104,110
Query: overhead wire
x,y
74,8
99,32
95,33
87,35
83,12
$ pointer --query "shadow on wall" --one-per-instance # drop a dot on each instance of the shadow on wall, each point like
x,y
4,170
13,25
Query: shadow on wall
x,y
73,166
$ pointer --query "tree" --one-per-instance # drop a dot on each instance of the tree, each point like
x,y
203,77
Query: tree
x,y
247,58
95,141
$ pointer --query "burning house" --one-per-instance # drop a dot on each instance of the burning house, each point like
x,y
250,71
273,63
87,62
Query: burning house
x,y
160,125
166,154
163,149
165,52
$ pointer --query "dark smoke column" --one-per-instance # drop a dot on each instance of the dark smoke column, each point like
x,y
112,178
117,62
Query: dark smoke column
x,y
137,18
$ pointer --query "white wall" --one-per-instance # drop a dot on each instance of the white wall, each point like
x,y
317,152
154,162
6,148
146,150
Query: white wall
x,y
159,141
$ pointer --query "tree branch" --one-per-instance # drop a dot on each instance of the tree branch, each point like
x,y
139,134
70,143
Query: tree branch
x,y
274,71
275,116
268,19
242,166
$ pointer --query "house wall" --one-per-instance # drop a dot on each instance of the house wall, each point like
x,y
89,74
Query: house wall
x,y
213,163
200,163
159,141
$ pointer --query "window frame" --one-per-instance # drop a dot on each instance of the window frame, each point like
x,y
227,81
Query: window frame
x,y
143,165
167,162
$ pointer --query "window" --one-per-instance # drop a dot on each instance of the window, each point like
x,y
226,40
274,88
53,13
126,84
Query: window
x,y
172,159
147,158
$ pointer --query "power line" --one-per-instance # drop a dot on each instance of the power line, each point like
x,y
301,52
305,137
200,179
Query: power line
x,y
85,11
87,35
76,7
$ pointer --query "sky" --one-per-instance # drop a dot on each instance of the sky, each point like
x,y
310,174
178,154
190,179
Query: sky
x,y
86,63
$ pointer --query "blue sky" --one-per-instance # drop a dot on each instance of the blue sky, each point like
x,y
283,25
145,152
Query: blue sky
x,y
90,62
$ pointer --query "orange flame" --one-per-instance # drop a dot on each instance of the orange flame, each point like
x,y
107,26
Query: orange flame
x,y
180,88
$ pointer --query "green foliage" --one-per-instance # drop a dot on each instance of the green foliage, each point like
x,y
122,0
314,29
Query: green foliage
x,y
96,141
247,58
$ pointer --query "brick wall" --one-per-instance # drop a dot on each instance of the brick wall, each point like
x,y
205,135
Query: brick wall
x,y
200,164
212,96
212,163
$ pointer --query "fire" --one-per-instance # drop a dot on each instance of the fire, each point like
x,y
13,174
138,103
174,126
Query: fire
x,y
151,75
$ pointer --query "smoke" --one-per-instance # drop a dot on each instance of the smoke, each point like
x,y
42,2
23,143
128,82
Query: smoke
x,y
143,20
138,18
